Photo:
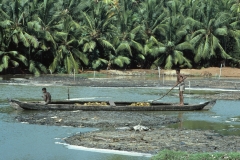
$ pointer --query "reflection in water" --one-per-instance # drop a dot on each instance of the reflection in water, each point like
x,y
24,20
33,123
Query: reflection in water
x,y
222,128
180,116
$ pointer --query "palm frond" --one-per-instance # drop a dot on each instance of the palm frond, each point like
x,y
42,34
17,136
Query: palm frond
x,y
60,36
4,14
74,62
200,31
5,23
124,46
223,54
156,64
81,56
197,40
214,43
178,57
187,62
33,68
89,21
22,59
1,68
169,62
90,46
56,61
156,50
106,44
198,53
141,56
192,22
58,26
98,62
154,39
34,25
42,67
134,31
67,65
12,53
137,46
5,61
15,39
23,39
33,40
121,60
221,31
184,46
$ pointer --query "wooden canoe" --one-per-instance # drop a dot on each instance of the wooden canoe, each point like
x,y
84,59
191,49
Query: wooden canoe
x,y
111,106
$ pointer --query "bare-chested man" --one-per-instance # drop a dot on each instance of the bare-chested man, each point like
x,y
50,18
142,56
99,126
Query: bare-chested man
x,y
46,96
180,82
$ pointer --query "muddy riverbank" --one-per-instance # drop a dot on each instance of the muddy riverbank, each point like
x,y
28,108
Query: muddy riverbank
x,y
158,139
116,131
97,119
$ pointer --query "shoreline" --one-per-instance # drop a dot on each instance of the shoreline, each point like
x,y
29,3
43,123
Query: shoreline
x,y
137,154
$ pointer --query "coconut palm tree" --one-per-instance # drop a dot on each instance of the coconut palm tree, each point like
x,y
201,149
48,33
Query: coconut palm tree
x,y
67,58
235,7
15,17
172,49
153,21
206,39
128,37
96,31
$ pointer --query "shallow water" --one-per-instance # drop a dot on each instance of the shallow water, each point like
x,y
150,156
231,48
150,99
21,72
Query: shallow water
x,y
39,142
24,141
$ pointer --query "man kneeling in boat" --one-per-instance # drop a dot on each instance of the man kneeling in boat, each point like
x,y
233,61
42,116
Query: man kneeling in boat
x,y
46,96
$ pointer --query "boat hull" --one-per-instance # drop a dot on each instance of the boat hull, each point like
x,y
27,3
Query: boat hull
x,y
111,106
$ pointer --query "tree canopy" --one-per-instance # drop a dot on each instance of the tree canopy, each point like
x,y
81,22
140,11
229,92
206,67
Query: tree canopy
x,y
66,35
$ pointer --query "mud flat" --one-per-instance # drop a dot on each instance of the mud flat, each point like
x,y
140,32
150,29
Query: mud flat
x,y
100,119
155,140
116,132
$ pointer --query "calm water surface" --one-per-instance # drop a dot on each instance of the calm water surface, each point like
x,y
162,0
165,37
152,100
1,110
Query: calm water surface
x,y
24,141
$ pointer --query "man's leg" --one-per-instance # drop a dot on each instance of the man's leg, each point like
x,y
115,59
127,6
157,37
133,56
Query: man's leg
x,y
181,97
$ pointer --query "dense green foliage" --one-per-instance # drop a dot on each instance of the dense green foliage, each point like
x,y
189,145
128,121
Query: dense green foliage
x,y
66,35
177,155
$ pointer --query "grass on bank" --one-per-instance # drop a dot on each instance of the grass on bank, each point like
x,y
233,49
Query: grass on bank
x,y
179,155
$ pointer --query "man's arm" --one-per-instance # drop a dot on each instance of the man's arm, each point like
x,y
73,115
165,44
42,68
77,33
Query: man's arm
x,y
44,97
183,77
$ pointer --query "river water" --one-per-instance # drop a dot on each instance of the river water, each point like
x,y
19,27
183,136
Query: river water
x,y
24,141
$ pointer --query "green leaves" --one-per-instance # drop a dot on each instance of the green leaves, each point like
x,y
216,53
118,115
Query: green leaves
x,y
121,60
65,35
11,58
96,63
5,23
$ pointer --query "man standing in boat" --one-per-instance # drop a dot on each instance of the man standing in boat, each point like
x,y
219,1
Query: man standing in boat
x,y
181,84
46,96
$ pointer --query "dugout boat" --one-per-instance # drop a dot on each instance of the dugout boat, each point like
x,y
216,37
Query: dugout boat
x,y
110,106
